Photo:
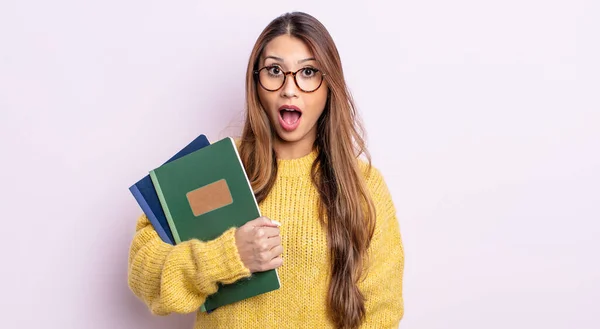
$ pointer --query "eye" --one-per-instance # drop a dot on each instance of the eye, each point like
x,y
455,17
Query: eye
x,y
274,70
309,72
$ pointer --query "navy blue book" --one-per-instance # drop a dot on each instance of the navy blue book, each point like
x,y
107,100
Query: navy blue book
x,y
144,193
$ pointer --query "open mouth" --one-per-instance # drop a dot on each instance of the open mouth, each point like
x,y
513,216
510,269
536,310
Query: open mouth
x,y
290,115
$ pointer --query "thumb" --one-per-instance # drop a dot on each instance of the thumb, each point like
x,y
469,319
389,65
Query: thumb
x,y
265,221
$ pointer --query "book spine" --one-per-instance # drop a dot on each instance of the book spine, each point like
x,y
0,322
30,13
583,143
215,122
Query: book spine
x,y
165,207
149,213
237,154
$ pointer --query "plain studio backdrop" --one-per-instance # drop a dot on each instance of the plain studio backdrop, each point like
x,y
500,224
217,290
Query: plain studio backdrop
x,y
483,116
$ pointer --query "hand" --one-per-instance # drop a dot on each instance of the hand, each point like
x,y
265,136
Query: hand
x,y
259,244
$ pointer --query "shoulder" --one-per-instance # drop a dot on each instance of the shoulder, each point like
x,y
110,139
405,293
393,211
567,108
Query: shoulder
x,y
378,189
386,220
237,141
373,177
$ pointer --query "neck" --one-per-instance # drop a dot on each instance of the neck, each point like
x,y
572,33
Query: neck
x,y
286,150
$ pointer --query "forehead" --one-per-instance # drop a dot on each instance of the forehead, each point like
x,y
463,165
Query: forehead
x,y
287,47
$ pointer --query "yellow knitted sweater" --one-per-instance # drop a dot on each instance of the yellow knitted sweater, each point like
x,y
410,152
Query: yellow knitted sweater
x,y
178,278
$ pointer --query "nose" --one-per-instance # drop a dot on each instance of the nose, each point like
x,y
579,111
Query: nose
x,y
289,88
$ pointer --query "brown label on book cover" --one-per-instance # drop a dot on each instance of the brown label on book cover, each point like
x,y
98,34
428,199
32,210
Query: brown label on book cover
x,y
209,197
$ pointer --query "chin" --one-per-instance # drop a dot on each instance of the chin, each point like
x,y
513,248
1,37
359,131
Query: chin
x,y
289,137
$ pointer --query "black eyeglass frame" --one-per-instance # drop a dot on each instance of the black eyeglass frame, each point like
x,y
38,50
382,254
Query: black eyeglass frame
x,y
285,74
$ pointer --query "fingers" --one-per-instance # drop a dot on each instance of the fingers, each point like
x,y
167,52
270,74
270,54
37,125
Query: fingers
x,y
277,251
266,232
259,244
264,221
274,263
266,245
269,253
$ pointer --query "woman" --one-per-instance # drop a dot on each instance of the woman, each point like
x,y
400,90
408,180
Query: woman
x,y
329,223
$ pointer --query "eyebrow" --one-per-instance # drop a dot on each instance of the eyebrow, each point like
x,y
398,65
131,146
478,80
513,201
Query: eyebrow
x,y
281,59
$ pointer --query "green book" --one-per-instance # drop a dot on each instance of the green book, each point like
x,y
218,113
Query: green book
x,y
205,193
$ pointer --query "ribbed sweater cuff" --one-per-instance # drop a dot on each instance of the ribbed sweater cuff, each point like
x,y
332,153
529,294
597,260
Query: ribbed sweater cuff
x,y
221,261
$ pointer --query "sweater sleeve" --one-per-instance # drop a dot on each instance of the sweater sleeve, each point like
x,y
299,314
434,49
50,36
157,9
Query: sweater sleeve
x,y
179,278
382,284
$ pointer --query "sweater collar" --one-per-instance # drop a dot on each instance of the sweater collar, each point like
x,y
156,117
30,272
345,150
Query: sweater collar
x,y
296,167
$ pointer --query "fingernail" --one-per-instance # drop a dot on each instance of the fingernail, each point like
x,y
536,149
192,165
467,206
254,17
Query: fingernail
x,y
276,222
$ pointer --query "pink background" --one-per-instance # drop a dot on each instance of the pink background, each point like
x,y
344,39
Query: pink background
x,y
484,117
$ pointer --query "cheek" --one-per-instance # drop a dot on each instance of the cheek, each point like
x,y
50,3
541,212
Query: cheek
x,y
265,99
318,101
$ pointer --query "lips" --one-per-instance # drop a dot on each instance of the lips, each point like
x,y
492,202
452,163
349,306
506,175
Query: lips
x,y
289,117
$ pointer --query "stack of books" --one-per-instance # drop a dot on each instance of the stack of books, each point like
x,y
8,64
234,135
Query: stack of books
x,y
199,193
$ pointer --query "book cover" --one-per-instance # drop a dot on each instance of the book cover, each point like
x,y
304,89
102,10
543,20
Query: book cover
x,y
144,193
204,194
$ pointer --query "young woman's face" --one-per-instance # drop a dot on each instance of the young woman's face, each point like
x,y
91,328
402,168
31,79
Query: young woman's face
x,y
292,111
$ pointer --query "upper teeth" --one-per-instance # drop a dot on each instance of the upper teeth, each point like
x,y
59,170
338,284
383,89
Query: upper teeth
x,y
289,110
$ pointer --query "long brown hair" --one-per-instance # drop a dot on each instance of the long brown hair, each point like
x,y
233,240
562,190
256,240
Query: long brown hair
x,y
345,206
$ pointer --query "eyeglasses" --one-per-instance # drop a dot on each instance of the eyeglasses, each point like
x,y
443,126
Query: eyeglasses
x,y
272,78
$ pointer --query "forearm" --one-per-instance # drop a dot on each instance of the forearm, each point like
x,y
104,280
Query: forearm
x,y
179,278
